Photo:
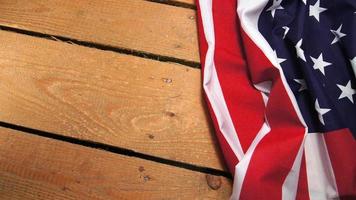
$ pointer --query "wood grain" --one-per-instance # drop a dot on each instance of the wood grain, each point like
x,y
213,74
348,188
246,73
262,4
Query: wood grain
x,y
144,105
33,167
135,24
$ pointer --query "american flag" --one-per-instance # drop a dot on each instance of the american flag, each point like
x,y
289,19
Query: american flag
x,y
280,77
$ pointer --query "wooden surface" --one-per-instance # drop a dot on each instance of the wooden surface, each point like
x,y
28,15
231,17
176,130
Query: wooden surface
x,y
190,2
144,105
131,24
38,168
88,77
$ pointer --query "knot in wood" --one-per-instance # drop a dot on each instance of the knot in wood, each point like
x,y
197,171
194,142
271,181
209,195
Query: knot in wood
x,y
214,182
141,169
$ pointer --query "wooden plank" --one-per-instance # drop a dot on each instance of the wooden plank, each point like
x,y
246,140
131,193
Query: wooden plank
x,y
140,25
148,106
33,167
191,2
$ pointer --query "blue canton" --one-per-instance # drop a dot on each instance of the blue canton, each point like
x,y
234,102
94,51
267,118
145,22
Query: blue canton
x,y
315,44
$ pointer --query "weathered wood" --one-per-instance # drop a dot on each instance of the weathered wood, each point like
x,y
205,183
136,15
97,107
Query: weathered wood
x,y
135,24
32,167
148,106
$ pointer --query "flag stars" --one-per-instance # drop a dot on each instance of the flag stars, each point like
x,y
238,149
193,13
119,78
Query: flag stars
x,y
320,64
347,91
338,34
279,60
315,10
303,84
320,111
300,51
316,57
276,5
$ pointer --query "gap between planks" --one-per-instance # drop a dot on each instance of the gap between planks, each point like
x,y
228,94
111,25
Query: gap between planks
x,y
147,106
132,52
179,3
33,167
143,26
116,150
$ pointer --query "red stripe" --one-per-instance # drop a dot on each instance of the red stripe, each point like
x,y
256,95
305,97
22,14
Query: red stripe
x,y
244,102
342,148
229,155
275,154
302,192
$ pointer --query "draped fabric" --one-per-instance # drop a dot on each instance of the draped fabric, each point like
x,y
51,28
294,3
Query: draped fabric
x,y
279,79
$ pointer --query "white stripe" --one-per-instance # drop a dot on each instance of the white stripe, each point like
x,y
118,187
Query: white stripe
x,y
321,179
212,86
241,167
249,12
290,185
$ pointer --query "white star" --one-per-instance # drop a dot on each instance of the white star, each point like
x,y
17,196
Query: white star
x,y
338,34
347,91
300,51
321,111
286,29
275,6
320,64
303,84
305,2
279,60
315,10
353,64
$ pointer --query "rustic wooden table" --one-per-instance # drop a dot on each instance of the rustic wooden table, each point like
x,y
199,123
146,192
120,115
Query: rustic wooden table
x,y
102,99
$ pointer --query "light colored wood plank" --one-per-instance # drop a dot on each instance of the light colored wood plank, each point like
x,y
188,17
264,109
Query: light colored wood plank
x,y
134,24
148,106
33,167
